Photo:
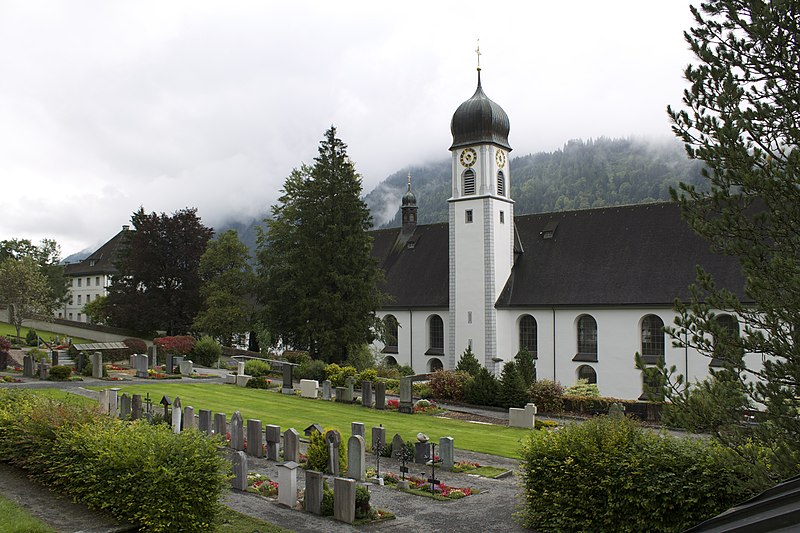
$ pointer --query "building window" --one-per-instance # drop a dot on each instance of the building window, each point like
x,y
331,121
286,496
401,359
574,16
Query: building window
x,y
79,281
70,316
586,372
468,216
587,339
469,182
501,183
435,336
502,217
652,339
88,281
435,364
88,298
726,339
390,361
79,299
79,317
528,335
97,281
392,326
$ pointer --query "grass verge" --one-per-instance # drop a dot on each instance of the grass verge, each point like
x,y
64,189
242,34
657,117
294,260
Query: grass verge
x,y
7,330
15,519
230,521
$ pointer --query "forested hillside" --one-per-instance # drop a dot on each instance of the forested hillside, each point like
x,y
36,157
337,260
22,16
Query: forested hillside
x,y
581,175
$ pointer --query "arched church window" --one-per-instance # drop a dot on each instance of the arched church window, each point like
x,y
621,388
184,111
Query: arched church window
x,y
435,364
501,183
435,336
726,339
586,372
528,334
652,339
587,339
391,325
469,181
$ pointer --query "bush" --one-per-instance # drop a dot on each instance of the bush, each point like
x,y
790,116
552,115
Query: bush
x,y
526,365
546,394
296,357
311,369
583,388
136,345
77,451
5,356
449,384
116,354
257,367
261,382
469,363
177,345
206,352
406,370
423,390
612,475
369,374
87,369
360,357
511,392
327,499
32,338
482,389
339,374
362,501
317,452
60,373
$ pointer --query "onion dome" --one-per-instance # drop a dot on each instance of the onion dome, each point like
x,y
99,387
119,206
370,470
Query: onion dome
x,y
479,121
409,200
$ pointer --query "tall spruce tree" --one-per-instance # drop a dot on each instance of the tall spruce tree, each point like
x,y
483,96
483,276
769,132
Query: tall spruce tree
x,y
319,281
741,117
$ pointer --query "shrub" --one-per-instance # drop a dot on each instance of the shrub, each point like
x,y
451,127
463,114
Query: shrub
x,y
311,369
362,501
546,394
261,382
526,365
482,389
406,370
327,500
369,374
339,374
469,363
317,452
297,357
257,367
177,345
423,390
136,345
360,357
32,338
38,354
612,475
583,388
5,356
60,373
87,368
511,392
206,351
116,354
448,384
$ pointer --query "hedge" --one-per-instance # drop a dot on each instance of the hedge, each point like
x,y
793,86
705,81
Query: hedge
x,y
139,473
610,474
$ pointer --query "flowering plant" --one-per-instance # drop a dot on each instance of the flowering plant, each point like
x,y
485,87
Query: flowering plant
x,y
462,466
393,404
261,485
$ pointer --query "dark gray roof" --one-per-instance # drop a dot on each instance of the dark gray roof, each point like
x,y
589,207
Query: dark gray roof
x,y
479,120
100,262
630,255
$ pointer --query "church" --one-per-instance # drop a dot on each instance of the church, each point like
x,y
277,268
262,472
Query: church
x,y
583,290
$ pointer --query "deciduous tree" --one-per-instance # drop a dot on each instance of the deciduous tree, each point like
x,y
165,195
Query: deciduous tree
x,y
25,290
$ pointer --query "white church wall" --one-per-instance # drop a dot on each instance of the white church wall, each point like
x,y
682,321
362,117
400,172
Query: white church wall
x,y
413,337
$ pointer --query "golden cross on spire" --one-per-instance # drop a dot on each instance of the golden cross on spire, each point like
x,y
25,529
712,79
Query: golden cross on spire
x,y
478,51
409,181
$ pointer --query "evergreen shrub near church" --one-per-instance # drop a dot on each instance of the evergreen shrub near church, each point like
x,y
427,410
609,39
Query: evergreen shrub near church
x,y
610,474
140,473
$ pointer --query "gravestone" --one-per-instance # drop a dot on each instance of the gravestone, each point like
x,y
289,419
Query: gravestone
x,y
380,395
166,402
220,424
356,461
366,394
397,444
27,366
446,452
255,438
113,408
406,401
357,428
313,494
288,384
522,418
333,440
177,415
204,424
422,452
239,480
97,364
344,500
186,368
188,417
348,385
140,364
124,407
237,431
326,389
152,356
616,410
170,364
313,428
80,364
103,401
44,369
287,484
291,445
379,437
54,357
240,368
340,394
273,437
136,407
309,388
177,360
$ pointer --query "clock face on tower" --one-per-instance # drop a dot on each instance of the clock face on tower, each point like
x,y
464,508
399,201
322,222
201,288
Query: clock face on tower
x,y
468,157
500,157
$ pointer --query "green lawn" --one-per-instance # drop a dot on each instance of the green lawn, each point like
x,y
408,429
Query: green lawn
x,y
63,395
15,519
230,521
299,413
7,330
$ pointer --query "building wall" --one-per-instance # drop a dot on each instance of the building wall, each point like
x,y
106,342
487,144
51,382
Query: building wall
x,y
91,286
413,337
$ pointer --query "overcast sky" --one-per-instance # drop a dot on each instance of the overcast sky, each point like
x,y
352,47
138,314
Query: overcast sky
x,y
109,105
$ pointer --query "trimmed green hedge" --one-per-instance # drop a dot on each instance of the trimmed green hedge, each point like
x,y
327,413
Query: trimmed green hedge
x,y
139,473
613,475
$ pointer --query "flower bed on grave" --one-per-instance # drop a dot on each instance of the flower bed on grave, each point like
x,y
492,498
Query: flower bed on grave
x,y
473,468
423,406
421,487
10,379
262,485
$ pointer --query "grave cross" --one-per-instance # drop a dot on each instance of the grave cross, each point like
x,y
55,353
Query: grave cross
x,y
377,450
432,480
405,456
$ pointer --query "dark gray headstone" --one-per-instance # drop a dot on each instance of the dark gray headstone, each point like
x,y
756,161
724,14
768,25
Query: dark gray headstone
x,y
340,394
170,364
356,458
326,389
273,438
220,424
422,452
27,366
255,438
239,480
204,423
358,428
349,383
237,431
378,437
288,384
397,444
291,445
344,500
136,407
54,357
406,400
380,395
80,363
313,494
124,407
188,417
366,394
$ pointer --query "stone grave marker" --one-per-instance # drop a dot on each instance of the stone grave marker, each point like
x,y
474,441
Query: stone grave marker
x,y
177,360
97,364
273,437
398,444
124,407
240,368
237,431
326,389
344,500
313,494
406,400
186,367
333,440
380,395
340,394
152,356
288,383
287,484
166,402
27,366
113,406
239,480
204,423
54,357
220,424
103,401
422,449
177,415
357,428
348,385
80,364
313,428
188,417
356,462
136,407
366,394
617,410
446,452
291,445
379,437
170,362
44,369
140,364
522,418
255,438
309,388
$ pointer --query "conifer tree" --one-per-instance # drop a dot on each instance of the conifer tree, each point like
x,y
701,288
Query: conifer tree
x,y
319,282
512,390
469,363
